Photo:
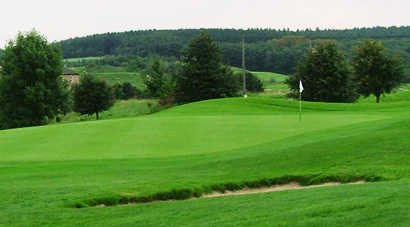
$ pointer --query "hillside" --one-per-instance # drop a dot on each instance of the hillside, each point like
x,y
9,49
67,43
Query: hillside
x,y
212,145
267,49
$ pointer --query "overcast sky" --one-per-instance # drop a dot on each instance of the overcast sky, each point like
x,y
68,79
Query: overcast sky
x,y
59,20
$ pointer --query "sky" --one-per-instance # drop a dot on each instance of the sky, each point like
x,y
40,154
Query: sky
x,y
59,20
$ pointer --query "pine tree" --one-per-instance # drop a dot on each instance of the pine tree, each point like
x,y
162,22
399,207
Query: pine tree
x,y
203,76
325,75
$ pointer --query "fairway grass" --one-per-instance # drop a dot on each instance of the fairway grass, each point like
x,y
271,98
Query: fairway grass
x,y
45,171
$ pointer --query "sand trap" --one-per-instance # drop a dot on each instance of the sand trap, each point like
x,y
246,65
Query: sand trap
x,y
291,186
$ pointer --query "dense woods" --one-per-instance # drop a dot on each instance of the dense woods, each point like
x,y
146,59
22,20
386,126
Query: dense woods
x,y
267,49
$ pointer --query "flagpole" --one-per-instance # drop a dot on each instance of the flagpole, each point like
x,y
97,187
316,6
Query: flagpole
x,y
300,107
300,100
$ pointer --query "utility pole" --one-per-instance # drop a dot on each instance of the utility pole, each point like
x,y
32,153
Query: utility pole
x,y
243,65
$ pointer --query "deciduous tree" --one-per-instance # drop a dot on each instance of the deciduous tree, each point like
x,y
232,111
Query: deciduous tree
x,y
92,96
32,91
375,71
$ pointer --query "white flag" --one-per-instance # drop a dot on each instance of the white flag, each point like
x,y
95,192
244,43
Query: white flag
x,y
300,86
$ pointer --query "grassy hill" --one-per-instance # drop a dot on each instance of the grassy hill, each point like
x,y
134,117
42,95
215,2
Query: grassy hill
x,y
212,145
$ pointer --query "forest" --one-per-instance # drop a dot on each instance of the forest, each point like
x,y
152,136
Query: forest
x,y
266,49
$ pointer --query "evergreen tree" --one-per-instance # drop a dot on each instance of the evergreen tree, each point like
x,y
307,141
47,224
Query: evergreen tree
x,y
375,72
253,83
155,81
203,76
31,90
92,96
325,75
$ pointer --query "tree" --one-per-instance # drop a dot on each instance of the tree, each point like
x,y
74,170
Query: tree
x,y
203,76
32,91
92,96
375,72
253,83
325,75
155,81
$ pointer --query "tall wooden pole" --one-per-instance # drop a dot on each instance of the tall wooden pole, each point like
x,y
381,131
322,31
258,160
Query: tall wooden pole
x,y
243,65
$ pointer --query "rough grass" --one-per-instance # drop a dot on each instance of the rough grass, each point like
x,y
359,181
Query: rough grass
x,y
216,144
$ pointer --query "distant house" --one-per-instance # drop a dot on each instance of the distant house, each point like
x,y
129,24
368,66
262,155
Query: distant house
x,y
70,76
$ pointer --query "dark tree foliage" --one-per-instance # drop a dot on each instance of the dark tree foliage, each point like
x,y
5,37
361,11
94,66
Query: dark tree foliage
x,y
203,76
118,91
267,49
32,91
126,91
253,83
376,72
156,82
325,75
92,96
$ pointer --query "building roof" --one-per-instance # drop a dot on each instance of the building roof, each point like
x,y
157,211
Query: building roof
x,y
67,71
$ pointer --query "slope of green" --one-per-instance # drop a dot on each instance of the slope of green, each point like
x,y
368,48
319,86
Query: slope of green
x,y
46,170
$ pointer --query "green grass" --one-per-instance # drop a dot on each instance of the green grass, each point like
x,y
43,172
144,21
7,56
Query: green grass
x,y
47,170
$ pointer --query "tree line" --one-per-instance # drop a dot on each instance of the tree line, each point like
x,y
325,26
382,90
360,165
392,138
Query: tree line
x,y
32,91
267,49
327,76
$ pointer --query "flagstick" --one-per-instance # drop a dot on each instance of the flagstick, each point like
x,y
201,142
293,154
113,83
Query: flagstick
x,y
300,107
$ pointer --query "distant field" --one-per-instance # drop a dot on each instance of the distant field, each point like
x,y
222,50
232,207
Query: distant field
x,y
121,77
199,147
121,109
113,75
82,59
273,83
